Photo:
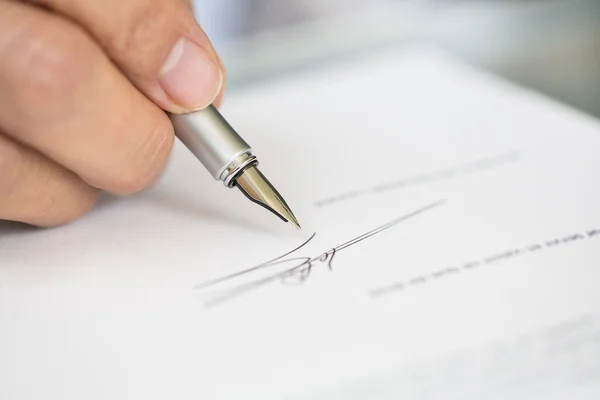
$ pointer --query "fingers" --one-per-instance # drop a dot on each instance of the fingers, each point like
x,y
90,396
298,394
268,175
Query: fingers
x,y
157,44
37,191
219,100
61,95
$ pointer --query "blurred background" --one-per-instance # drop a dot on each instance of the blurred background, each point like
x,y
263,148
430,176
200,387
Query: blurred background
x,y
552,46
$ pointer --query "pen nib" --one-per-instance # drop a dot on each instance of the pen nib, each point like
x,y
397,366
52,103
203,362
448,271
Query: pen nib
x,y
257,188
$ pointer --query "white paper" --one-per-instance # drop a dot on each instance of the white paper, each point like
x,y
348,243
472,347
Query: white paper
x,y
489,292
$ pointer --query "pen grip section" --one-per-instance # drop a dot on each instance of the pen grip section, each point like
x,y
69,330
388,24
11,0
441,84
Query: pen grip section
x,y
211,139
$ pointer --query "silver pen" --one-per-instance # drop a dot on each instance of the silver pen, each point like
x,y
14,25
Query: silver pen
x,y
229,158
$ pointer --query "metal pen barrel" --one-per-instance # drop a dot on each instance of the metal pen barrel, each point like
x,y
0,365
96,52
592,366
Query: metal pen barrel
x,y
213,141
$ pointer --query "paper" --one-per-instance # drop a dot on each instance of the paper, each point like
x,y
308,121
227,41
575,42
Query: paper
x,y
455,255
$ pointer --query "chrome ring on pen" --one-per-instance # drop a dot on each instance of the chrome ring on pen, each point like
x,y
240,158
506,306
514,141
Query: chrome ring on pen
x,y
237,167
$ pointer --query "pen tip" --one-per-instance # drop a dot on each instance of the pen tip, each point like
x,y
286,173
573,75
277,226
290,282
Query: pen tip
x,y
259,190
294,222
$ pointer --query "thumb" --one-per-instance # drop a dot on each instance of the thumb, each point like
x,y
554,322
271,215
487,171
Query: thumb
x,y
157,44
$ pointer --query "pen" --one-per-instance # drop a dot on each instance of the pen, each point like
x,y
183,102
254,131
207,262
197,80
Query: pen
x,y
228,158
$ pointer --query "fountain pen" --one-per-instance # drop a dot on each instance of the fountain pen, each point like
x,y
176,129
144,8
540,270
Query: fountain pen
x,y
228,158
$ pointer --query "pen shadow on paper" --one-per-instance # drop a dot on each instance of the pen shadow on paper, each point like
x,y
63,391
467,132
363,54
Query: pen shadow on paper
x,y
194,207
191,206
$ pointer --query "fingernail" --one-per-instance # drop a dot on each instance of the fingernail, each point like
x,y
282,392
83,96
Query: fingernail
x,y
190,77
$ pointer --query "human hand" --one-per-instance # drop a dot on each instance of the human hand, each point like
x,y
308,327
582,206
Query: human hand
x,y
83,86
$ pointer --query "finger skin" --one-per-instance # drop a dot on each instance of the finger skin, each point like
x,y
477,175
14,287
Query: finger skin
x,y
219,99
141,36
36,191
61,95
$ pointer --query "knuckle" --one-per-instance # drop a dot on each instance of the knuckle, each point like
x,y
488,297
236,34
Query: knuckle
x,y
35,191
45,205
145,162
10,171
57,208
52,65
56,215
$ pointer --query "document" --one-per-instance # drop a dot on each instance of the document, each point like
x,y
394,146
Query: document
x,y
450,250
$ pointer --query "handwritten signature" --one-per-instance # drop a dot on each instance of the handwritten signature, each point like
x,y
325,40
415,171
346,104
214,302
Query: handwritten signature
x,y
296,270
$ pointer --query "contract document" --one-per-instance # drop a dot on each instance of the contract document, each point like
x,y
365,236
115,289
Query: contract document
x,y
450,250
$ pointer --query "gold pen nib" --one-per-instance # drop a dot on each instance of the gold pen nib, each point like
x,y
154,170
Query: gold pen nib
x,y
257,188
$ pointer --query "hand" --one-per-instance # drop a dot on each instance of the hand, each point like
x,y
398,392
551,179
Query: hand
x,y
83,86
